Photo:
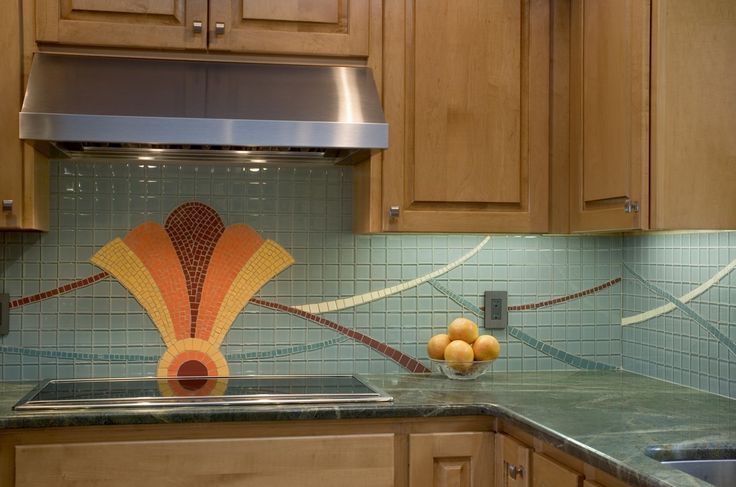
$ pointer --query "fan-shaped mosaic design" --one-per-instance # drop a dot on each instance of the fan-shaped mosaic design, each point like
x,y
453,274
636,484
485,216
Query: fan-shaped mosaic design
x,y
193,277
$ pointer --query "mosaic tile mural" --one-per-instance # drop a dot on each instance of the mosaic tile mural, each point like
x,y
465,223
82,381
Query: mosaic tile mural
x,y
347,304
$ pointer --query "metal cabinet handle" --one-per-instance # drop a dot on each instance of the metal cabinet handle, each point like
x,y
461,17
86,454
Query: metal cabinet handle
x,y
515,470
219,28
631,206
8,205
394,211
197,27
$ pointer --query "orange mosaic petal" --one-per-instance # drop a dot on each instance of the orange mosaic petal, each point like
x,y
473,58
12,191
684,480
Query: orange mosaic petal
x,y
236,246
266,262
151,244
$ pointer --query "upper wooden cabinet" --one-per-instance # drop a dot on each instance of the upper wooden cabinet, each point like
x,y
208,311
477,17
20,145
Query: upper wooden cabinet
x,y
659,134
318,27
24,184
693,149
466,87
152,24
609,114
312,27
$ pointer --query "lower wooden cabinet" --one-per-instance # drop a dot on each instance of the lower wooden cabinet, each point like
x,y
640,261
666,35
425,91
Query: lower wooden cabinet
x,y
548,473
523,460
401,452
310,461
451,460
512,462
371,453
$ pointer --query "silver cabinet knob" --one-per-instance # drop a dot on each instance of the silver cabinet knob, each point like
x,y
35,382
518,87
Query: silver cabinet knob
x,y
394,211
8,205
197,26
631,206
515,470
219,28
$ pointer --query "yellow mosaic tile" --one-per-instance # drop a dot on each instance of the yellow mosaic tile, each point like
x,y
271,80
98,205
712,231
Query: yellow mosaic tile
x,y
265,263
120,262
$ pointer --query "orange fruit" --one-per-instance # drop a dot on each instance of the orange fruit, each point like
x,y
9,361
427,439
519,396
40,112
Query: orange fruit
x,y
486,347
459,355
463,329
436,346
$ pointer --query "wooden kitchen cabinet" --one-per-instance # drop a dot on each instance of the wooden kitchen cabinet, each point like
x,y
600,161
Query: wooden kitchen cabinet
x,y
365,452
310,461
525,460
693,148
609,115
292,27
451,460
24,186
513,462
466,95
314,27
548,473
659,133
151,24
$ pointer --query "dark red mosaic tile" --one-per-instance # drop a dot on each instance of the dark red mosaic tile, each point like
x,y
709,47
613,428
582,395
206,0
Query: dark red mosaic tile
x,y
194,229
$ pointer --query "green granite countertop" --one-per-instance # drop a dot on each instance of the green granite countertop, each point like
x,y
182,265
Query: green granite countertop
x,y
606,418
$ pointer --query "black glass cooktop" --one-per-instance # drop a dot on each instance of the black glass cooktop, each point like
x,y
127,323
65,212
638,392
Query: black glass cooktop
x,y
191,391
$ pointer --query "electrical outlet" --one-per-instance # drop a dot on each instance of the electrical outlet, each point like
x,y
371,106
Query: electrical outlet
x,y
4,314
497,314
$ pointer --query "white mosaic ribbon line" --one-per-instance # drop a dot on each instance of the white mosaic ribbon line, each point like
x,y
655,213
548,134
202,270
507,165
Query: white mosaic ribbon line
x,y
350,302
666,308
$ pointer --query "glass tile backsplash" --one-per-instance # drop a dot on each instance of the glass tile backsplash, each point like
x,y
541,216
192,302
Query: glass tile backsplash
x,y
348,303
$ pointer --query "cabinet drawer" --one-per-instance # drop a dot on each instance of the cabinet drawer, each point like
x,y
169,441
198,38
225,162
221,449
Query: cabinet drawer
x,y
305,461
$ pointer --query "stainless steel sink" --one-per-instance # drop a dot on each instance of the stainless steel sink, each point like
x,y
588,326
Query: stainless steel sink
x,y
721,473
713,463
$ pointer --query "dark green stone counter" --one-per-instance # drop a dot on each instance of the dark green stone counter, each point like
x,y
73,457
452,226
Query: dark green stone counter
x,y
606,418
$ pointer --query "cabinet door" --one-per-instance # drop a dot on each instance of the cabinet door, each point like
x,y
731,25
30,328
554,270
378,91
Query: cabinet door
x,y
24,181
548,473
451,460
154,24
512,462
306,27
694,115
318,461
609,114
466,94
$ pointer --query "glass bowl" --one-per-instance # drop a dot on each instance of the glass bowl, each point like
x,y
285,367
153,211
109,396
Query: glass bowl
x,y
462,370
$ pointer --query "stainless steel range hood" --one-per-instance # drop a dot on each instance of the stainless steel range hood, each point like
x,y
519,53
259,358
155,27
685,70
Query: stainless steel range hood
x,y
103,108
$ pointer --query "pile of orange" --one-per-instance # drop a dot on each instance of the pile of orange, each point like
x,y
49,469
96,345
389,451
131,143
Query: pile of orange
x,y
462,345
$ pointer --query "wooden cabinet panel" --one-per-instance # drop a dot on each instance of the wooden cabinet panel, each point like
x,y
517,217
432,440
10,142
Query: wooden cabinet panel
x,y
322,461
313,27
451,460
609,114
466,96
24,172
153,24
548,473
512,462
693,114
